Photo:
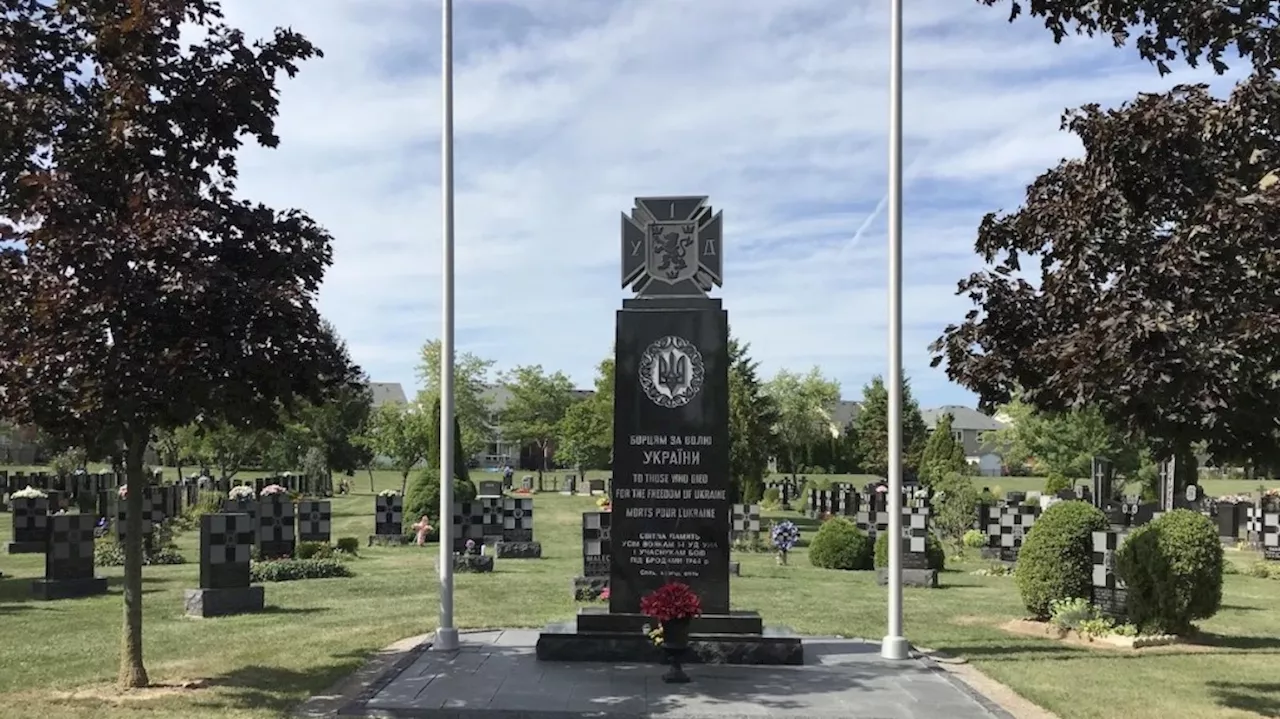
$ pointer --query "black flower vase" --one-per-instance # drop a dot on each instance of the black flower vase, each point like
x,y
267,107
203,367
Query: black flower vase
x,y
675,640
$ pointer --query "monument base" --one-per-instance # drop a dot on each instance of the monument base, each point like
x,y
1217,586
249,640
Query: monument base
x,y
50,589
26,547
927,578
735,569
599,619
473,563
565,642
517,550
224,602
588,589
391,540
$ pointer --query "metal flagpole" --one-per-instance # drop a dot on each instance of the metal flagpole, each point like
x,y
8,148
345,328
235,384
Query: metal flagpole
x,y
446,638
894,645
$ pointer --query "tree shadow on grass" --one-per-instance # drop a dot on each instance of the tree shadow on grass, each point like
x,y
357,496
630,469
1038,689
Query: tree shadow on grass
x,y
274,688
274,609
1258,698
1228,641
117,583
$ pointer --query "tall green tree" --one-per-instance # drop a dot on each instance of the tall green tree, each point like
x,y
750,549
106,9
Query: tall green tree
x,y
803,403
586,432
942,454
471,378
753,415
143,292
1062,443
873,429
403,435
535,409
1175,191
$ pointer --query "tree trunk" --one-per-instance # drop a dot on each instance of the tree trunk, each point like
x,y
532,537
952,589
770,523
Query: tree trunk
x,y
369,469
132,673
404,482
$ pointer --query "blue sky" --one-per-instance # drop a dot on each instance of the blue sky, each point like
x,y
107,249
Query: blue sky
x,y
566,110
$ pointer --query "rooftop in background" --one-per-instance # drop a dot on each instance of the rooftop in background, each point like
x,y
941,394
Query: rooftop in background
x,y
961,418
384,392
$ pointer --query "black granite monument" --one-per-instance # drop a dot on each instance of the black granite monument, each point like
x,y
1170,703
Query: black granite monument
x,y
671,504
226,541
68,561
30,525
315,517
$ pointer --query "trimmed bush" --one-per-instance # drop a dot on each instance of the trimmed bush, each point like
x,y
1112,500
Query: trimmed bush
x,y
110,553
423,496
1172,568
288,570
314,550
840,545
975,539
1055,483
934,553
772,497
348,545
1056,558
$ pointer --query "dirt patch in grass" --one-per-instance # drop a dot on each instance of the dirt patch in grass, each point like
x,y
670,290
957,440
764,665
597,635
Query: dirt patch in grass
x,y
111,694
1031,628
972,620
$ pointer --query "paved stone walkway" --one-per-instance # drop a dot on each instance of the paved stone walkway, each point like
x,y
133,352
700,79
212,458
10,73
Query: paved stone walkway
x,y
495,675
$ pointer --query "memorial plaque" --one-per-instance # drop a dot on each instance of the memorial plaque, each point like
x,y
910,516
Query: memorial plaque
x,y
671,455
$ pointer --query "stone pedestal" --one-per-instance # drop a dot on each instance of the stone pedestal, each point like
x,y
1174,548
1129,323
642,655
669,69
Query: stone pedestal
x,y
517,550
50,589
927,578
224,602
601,637
25,547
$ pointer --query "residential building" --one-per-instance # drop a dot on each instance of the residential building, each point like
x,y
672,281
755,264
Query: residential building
x,y
967,427
384,392
499,452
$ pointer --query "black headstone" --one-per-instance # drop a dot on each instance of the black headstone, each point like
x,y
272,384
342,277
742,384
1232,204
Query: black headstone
x,y
314,518
671,452
226,542
489,488
70,552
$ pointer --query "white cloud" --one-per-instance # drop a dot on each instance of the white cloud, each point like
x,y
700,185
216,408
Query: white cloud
x,y
566,111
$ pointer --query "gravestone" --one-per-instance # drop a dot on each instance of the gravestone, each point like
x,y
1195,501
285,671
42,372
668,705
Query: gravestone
x,y
526,483
1108,592
489,488
1010,524
226,541
595,487
597,550
671,506
388,520
746,522
1230,519
1103,473
1271,536
276,521
915,555
30,525
68,562
242,506
152,514
570,484
314,520
516,541
479,521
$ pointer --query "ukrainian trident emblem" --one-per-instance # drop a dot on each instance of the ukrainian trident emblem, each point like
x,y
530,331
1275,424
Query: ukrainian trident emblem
x,y
671,372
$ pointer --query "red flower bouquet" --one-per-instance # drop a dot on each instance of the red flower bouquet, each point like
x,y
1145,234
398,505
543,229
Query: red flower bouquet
x,y
671,601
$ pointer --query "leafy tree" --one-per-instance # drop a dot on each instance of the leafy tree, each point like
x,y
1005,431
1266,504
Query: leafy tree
x,y
803,405
536,408
586,432
753,414
336,424
873,429
1063,443
423,496
228,448
955,503
470,405
1196,29
141,292
942,455
402,433
1157,264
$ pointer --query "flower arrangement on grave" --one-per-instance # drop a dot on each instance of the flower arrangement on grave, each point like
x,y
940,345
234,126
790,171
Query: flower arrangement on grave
x,y
604,594
1271,499
123,492
471,547
604,504
389,493
241,493
274,490
784,536
673,605
28,493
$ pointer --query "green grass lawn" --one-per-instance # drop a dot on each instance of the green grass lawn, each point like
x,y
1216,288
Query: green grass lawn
x,y
59,659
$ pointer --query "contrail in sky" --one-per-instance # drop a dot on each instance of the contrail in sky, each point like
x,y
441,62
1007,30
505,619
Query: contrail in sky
x,y
907,177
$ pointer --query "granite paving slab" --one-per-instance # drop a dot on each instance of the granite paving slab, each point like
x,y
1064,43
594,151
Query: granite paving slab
x,y
495,675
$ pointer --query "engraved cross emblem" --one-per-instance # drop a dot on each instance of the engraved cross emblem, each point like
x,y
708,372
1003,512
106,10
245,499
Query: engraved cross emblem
x,y
671,247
